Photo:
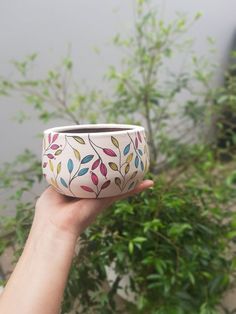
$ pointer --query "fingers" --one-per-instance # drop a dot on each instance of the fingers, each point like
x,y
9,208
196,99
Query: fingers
x,y
146,184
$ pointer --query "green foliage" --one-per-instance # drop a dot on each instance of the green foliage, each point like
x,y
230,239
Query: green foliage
x,y
174,241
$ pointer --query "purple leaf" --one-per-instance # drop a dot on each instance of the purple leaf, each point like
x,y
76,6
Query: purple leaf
x,y
109,152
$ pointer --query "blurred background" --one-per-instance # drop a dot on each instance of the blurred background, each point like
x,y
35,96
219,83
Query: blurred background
x,y
49,28
167,65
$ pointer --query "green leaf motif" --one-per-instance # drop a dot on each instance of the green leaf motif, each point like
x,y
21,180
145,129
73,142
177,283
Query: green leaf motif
x,y
113,166
79,139
115,142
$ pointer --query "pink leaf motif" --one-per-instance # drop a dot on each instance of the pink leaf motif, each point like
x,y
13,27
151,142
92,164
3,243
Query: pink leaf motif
x,y
94,178
49,138
105,185
86,188
45,164
103,169
50,156
136,142
55,136
139,137
54,146
96,164
109,152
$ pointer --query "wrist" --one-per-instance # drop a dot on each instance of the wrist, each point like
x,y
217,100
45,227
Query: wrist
x,y
47,236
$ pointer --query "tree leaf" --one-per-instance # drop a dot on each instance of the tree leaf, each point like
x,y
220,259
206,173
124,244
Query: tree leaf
x,y
113,166
86,159
70,165
83,171
115,141
79,139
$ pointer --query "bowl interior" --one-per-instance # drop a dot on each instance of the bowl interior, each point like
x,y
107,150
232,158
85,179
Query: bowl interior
x,y
94,130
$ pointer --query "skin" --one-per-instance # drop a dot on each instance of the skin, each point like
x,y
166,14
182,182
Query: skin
x,y
38,281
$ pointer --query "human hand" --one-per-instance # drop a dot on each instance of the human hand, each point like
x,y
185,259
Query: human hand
x,y
72,215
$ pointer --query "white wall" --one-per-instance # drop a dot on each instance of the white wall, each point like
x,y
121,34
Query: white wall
x,y
47,27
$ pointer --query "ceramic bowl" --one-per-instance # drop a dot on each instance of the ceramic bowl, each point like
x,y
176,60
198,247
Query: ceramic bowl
x,y
95,160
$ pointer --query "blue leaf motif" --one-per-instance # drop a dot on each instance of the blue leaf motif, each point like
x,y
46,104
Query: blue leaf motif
x,y
136,162
140,152
142,166
126,149
87,159
70,165
83,171
63,182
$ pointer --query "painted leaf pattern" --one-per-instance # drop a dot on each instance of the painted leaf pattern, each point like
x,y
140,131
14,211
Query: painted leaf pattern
x,y
103,169
96,164
70,165
127,158
87,159
83,171
58,168
77,154
79,139
86,188
126,149
63,182
113,166
105,185
54,146
115,142
109,152
94,178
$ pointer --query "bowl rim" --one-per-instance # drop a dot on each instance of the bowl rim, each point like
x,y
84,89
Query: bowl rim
x,y
132,129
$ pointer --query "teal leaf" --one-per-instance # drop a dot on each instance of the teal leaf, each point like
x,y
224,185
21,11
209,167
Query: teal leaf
x,y
136,162
63,182
70,165
126,149
83,171
140,152
86,159
142,166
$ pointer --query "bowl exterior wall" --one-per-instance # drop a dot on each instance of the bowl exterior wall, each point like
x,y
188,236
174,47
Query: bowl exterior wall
x,y
95,165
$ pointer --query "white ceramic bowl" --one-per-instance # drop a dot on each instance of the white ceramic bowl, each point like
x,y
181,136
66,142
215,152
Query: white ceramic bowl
x,y
95,160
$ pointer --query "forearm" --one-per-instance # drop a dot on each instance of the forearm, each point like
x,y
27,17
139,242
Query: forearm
x,y
38,281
